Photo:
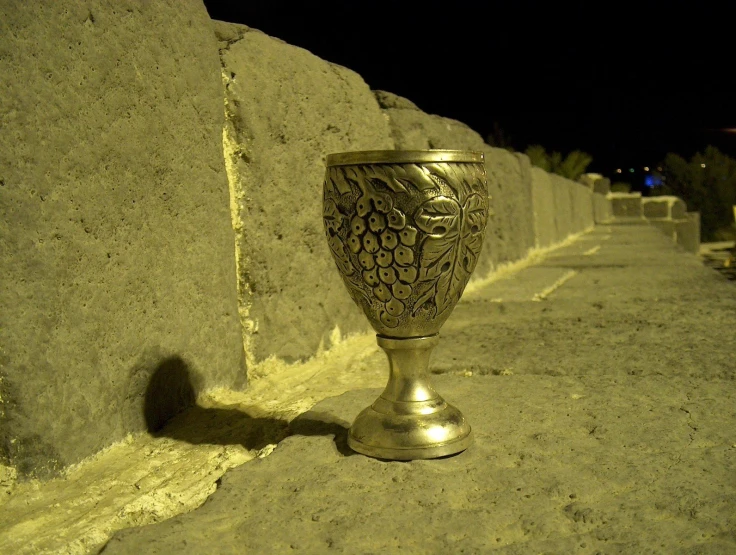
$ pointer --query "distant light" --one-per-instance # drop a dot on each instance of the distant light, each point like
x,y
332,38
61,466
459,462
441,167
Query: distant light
x,y
651,181
618,170
702,165
646,168
659,169
631,170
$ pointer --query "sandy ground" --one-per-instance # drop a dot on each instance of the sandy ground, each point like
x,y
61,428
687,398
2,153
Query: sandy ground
x,y
600,385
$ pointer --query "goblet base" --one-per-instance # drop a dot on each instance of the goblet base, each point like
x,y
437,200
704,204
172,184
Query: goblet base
x,y
404,431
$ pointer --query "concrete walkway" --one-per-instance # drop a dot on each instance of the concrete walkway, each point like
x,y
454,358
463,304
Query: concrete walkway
x,y
600,386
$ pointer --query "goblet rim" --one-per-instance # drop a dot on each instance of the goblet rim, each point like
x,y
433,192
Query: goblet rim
x,y
359,157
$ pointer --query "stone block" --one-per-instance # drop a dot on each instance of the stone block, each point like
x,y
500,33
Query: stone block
x,y
583,215
665,206
286,110
119,297
626,206
655,207
589,179
413,129
561,207
665,226
678,209
510,232
601,208
544,208
687,232
602,186
596,182
563,203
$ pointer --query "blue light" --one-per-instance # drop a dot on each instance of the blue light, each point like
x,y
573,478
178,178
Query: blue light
x,y
652,181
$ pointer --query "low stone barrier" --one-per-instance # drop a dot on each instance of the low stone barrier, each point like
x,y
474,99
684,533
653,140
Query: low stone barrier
x,y
162,214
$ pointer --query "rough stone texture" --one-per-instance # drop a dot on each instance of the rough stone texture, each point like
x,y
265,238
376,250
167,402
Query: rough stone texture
x,y
413,129
510,232
603,416
579,199
626,206
646,307
115,236
152,477
583,209
564,206
561,207
559,465
544,208
286,110
687,232
602,211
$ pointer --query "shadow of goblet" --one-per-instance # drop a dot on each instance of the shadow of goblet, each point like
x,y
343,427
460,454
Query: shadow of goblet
x,y
170,410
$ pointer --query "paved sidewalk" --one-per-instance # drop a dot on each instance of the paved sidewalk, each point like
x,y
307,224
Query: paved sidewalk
x,y
600,386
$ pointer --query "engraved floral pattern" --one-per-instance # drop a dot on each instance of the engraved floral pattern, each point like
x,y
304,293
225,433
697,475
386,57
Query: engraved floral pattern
x,y
405,237
450,250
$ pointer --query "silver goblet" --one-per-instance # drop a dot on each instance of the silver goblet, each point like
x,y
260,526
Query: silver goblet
x,y
405,229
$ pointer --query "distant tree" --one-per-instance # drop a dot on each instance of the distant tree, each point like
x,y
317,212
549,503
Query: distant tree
x,y
538,157
574,164
499,138
571,166
707,184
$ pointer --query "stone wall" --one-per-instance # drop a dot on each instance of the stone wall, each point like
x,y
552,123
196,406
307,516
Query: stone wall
x,y
286,110
510,232
601,186
116,248
161,213
560,207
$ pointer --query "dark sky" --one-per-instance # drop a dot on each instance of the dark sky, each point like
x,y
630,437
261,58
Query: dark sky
x,y
625,84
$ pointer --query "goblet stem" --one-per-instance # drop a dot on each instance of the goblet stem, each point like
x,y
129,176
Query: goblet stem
x,y
410,420
409,368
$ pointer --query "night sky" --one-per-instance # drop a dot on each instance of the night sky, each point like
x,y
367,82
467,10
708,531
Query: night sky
x,y
625,85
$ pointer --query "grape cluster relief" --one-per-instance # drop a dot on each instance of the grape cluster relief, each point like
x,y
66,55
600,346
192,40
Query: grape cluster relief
x,y
405,237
